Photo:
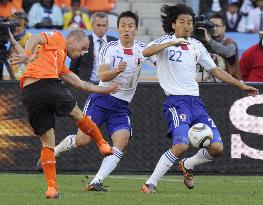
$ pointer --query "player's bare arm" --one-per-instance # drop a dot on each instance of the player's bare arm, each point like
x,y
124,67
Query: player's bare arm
x,y
106,73
227,78
154,49
18,48
76,82
27,54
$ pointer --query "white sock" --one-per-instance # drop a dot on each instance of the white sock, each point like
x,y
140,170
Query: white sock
x,y
201,157
65,145
108,164
166,161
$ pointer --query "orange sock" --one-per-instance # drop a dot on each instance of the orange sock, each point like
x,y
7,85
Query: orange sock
x,y
87,126
48,163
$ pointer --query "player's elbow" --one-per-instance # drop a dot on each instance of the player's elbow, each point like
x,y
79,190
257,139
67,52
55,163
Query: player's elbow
x,y
146,53
102,77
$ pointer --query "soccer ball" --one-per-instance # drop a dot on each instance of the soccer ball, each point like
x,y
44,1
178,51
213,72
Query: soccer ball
x,y
200,135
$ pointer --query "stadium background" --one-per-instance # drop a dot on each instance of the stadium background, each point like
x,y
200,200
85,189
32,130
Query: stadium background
x,y
20,149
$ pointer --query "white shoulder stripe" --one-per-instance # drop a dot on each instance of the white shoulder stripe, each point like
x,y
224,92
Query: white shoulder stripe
x,y
107,45
141,44
159,40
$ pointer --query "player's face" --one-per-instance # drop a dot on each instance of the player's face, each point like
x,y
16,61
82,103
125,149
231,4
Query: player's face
x,y
127,28
219,28
100,26
76,48
183,25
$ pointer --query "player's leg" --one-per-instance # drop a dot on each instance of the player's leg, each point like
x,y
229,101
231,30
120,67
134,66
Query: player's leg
x,y
120,140
35,97
91,109
72,142
203,155
177,119
119,126
48,163
206,155
87,126
180,145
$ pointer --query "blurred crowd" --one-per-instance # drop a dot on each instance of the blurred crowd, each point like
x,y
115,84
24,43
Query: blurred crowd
x,y
217,18
60,14
240,15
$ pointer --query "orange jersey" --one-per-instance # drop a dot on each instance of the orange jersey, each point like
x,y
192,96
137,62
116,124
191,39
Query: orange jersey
x,y
51,57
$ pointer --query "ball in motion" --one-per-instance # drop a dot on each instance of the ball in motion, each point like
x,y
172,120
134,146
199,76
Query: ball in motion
x,y
200,135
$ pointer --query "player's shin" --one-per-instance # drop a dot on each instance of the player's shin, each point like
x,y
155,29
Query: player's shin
x,y
201,157
48,163
108,165
87,126
164,164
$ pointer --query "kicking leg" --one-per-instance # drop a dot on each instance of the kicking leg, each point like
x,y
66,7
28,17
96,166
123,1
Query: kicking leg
x,y
87,126
201,157
204,155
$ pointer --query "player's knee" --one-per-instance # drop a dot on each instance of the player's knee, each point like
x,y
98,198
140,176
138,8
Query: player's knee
x,y
121,145
76,113
120,139
179,149
216,149
82,140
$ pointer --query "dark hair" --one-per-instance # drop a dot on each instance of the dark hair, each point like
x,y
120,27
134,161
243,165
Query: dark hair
x,y
128,14
218,16
171,13
98,15
75,1
20,16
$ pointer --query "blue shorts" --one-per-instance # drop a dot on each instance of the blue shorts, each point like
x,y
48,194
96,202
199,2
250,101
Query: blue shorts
x,y
181,112
114,112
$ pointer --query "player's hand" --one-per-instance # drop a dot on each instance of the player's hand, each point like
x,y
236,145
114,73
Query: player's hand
x,y
250,90
22,59
121,67
105,90
12,38
179,42
19,59
113,88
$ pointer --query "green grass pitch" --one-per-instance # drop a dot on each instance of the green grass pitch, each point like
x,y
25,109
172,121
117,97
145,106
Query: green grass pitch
x,y
29,189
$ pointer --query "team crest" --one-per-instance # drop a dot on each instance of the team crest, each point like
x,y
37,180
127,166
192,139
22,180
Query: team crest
x,y
138,61
182,117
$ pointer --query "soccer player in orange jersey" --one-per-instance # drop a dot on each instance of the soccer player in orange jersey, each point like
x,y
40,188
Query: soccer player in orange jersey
x,y
44,94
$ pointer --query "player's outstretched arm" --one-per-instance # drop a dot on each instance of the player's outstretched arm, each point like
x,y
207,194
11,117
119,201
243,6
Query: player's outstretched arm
x,y
27,54
154,49
76,82
227,78
18,48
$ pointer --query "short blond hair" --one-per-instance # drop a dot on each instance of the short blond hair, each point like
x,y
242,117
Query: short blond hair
x,y
78,34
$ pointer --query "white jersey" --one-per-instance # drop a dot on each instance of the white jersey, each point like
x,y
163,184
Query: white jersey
x,y
112,53
176,67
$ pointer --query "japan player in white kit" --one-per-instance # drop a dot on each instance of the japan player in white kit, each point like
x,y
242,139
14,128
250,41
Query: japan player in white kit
x,y
119,61
177,55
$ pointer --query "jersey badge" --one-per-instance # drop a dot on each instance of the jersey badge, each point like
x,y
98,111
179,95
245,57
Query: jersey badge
x,y
183,117
138,61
